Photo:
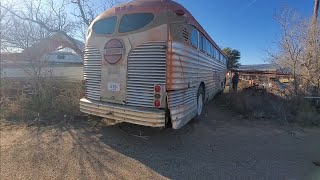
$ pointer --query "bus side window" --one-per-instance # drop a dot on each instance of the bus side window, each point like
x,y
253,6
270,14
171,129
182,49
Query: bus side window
x,y
216,53
211,50
208,49
202,43
194,38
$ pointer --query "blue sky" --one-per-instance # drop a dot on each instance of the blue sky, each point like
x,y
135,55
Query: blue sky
x,y
246,25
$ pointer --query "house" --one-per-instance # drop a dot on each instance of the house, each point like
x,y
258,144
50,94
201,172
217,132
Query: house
x,y
56,55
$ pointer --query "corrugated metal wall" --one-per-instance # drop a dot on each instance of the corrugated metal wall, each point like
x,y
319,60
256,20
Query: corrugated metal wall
x,y
146,68
92,72
186,69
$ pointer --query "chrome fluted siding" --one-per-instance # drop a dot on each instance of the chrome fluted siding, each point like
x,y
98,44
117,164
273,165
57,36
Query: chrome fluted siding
x,y
136,115
146,68
182,105
186,69
182,66
92,72
212,73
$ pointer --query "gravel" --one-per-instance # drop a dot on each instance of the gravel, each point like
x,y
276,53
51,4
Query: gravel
x,y
222,146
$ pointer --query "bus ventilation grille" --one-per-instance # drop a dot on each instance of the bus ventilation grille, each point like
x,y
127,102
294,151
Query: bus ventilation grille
x,y
92,72
146,68
185,34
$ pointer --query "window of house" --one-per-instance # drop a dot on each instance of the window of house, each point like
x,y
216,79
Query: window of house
x,y
194,38
132,22
60,56
105,26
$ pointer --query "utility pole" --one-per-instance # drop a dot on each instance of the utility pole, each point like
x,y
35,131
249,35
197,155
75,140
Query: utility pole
x,y
315,11
315,34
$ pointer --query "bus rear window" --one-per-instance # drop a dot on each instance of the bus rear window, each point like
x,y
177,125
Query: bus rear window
x,y
132,22
105,26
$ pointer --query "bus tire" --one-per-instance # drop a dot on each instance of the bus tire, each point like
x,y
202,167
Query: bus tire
x,y
200,103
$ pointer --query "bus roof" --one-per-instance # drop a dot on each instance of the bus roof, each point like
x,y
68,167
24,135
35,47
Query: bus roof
x,y
155,6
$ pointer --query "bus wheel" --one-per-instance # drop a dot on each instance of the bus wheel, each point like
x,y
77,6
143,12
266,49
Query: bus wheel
x,y
200,103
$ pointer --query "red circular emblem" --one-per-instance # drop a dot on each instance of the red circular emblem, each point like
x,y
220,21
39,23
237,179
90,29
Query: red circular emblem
x,y
114,51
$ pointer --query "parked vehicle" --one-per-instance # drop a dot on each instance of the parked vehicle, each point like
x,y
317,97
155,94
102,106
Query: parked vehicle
x,y
149,62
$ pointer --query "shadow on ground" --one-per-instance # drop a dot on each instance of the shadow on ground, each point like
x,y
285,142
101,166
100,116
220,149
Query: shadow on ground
x,y
221,147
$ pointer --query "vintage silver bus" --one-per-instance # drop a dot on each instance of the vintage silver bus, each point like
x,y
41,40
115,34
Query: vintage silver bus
x,y
149,62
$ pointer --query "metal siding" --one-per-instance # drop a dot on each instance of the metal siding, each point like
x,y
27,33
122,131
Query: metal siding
x,y
212,73
182,66
92,72
182,105
146,68
186,69
136,115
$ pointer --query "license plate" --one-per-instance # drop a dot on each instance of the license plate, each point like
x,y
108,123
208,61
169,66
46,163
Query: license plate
x,y
113,86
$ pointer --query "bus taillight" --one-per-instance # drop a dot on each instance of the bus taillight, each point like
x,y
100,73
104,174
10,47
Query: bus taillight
x,y
157,96
157,88
157,103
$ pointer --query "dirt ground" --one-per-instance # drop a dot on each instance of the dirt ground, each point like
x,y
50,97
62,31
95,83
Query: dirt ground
x,y
222,146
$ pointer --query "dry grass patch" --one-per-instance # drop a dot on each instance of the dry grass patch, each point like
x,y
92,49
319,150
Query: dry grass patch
x,y
48,98
267,106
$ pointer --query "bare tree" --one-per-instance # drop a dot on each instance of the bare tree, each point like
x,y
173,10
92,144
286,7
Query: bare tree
x,y
20,35
290,48
56,16
51,16
88,10
299,50
312,53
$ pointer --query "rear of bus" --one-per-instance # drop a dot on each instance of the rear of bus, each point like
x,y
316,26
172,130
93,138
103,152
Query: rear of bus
x,y
125,64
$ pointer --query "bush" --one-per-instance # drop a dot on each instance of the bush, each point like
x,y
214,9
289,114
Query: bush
x,y
307,113
264,105
48,98
308,118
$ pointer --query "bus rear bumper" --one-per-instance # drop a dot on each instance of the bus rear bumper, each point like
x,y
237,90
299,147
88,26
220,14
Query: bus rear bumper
x,y
135,115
